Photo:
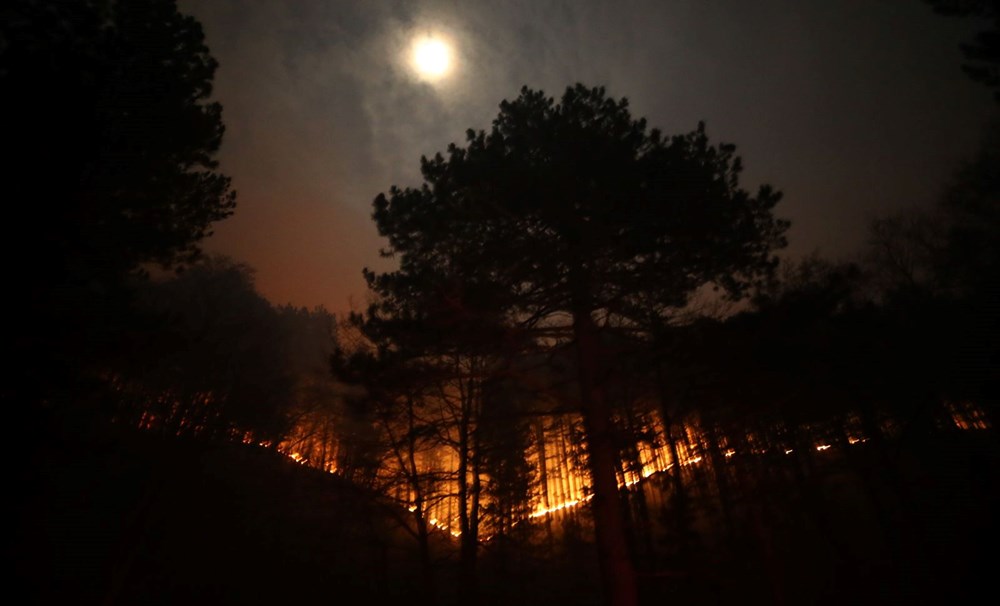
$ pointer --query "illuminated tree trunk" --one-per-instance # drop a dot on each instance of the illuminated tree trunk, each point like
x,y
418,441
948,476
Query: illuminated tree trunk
x,y
424,545
668,432
543,474
612,546
468,500
472,543
420,512
640,524
566,489
719,464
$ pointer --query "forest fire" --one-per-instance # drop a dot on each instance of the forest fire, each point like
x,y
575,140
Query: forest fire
x,y
574,322
566,482
966,415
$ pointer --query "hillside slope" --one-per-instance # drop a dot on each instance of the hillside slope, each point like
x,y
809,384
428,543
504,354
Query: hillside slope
x,y
130,518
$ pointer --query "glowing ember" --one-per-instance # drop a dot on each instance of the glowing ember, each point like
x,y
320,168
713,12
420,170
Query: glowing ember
x,y
568,504
967,416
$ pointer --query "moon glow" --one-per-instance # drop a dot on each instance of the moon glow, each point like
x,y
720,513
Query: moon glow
x,y
431,57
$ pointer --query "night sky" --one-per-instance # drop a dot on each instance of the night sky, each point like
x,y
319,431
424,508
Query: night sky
x,y
852,109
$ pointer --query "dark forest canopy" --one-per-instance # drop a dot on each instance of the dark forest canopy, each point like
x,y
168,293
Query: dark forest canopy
x,y
112,105
218,361
576,206
983,53
112,137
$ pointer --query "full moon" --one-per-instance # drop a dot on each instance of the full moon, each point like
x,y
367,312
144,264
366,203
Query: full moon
x,y
431,57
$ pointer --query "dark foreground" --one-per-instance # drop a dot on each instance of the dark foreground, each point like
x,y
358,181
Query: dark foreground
x,y
124,518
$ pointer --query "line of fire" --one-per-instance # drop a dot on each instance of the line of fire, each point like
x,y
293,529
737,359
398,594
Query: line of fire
x,y
557,451
428,460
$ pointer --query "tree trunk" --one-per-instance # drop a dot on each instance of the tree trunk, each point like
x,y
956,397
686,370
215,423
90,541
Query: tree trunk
x,y
612,545
719,465
543,474
466,510
419,510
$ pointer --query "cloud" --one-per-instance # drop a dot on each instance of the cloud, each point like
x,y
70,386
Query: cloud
x,y
849,109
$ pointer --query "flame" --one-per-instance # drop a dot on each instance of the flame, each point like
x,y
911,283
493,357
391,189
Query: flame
x,y
315,443
566,485
544,511
967,416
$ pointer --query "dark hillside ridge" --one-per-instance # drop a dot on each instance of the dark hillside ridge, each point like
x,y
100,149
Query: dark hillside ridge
x,y
135,519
